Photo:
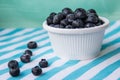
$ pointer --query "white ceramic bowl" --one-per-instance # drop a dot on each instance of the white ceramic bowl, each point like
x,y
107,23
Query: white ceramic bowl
x,y
77,44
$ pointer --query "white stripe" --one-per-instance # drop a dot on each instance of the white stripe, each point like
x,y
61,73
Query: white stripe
x,y
17,33
21,38
60,75
3,66
29,65
10,54
114,75
54,65
6,31
71,69
112,38
110,48
95,70
23,43
114,26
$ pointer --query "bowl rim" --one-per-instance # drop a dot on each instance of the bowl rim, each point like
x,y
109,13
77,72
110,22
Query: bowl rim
x,y
79,30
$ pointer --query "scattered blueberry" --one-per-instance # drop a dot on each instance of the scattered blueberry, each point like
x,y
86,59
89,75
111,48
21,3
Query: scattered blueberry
x,y
14,72
32,45
29,52
43,63
25,58
36,70
13,64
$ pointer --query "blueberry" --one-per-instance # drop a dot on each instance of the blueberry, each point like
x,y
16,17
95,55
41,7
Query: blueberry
x,y
43,63
100,22
64,22
80,15
92,19
61,15
32,45
29,52
49,20
57,26
80,10
13,64
14,72
92,14
52,14
25,58
78,23
52,25
61,26
67,11
56,19
70,18
69,27
89,25
91,11
36,70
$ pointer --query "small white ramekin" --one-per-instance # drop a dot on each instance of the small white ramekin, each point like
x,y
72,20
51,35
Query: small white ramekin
x,y
77,44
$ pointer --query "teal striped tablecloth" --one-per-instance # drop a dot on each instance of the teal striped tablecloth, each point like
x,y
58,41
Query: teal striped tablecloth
x,y
13,44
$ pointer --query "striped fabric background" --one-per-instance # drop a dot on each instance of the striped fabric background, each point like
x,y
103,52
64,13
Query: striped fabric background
x,y
13,44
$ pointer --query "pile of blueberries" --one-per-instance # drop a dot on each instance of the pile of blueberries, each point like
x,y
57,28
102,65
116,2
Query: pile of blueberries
x,y
13,65
68,19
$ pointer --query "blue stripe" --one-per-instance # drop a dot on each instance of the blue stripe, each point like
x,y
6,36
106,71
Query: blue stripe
x,y
49,51
112,23
4,71
83,69
10,58
13,32
25,46
20,47
27,33
107,71
28,71
104,46
1,29
25,39
57,69
17,55
118,78
113,32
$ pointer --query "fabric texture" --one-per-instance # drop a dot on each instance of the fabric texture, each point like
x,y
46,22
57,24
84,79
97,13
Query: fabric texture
x,y
13,43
